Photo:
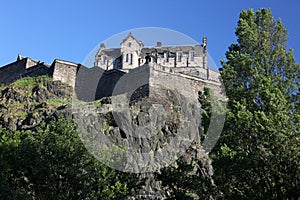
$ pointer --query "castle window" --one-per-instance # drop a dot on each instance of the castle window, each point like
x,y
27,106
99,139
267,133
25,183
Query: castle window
x,y
179,56
131,56
148,59
192,57
103,60
166,57
129,44
126,60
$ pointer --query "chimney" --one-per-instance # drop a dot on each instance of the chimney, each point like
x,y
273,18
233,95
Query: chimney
x,y
141,43
102,46
158,44
204,42
20,57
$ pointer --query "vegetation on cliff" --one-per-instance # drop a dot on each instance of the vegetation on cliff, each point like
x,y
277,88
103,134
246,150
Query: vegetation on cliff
x,y
28,101
41,154
43,157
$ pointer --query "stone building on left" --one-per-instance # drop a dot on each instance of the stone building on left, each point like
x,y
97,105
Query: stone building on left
x,y
26,67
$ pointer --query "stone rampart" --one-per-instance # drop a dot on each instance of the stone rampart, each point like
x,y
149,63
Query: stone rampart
x,y
185,84
64,71
94,83
25,67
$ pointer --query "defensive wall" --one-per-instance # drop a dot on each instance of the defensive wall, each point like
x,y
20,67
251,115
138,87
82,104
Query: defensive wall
x,y
94,83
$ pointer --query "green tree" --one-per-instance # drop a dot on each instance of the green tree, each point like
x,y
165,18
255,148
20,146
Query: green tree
x,y
258,156
52,163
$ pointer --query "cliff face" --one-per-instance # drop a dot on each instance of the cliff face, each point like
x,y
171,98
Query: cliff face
x,y
30,101
156,133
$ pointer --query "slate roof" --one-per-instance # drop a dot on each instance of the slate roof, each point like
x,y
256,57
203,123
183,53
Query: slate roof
x,y
173,49
116,52
113,52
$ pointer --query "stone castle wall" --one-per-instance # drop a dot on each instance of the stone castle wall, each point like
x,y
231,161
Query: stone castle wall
x,y
22,68
38,70
65,72
59,70
94,83
187,85
12,72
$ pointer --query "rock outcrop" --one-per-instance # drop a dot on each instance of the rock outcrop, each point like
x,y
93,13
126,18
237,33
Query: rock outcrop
x,y
147,134
29,101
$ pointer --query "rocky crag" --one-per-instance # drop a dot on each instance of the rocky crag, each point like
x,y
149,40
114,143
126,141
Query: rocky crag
x,y
28,102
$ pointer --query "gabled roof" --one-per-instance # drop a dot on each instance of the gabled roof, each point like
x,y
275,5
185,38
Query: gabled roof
x,y
113,52
129,36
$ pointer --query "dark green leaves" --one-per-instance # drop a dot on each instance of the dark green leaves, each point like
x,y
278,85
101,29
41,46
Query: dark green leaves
x,y
258,154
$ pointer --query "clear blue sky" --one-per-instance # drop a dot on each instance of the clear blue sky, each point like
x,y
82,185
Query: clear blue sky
x,y
69,30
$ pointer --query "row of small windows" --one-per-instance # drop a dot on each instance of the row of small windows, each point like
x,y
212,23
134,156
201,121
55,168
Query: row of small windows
x,y
104,61
179,56
129,58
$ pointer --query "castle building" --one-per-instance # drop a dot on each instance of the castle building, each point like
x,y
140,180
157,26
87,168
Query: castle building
x,y
116,68
132,54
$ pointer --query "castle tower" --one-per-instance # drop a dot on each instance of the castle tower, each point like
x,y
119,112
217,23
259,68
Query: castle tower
x,y
130,51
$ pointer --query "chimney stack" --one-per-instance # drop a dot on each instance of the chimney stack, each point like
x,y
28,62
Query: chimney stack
x,y
20,57
158,44
204,42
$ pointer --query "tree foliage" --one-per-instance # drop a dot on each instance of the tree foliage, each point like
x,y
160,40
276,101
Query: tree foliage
x,y
53,164
258,154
